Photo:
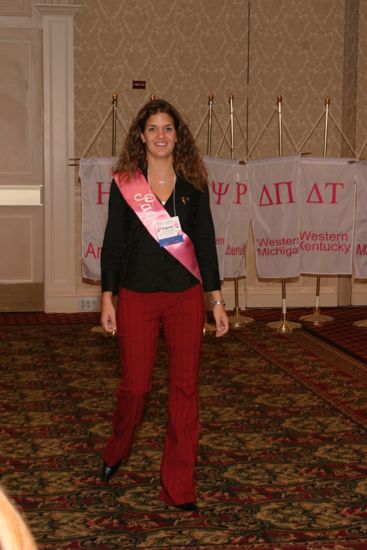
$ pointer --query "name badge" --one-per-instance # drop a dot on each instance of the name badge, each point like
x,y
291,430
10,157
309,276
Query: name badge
x,y
168,231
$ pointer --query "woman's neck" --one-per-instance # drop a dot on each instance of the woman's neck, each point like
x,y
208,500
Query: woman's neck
x,y
161,177
160,173
160,167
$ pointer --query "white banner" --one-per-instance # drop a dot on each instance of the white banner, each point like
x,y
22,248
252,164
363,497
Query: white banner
x,y
302,211
95,176
328,198
360,246
230,207
228,199
276,216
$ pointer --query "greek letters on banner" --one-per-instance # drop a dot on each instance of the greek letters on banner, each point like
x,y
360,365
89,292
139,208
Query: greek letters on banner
x,y
328,197
276,216
230,207
95,176
360,247
228,199
302,212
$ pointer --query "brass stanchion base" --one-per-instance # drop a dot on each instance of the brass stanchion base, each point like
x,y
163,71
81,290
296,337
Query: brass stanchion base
x,y
208,328
284,326
317,318
98,330
362,324
237,320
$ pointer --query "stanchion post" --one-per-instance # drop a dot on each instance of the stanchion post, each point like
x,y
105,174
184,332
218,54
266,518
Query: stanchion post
x,y
114,123
326,128
209,328
231,122
317,318
280,132
283,326
210,125
237,320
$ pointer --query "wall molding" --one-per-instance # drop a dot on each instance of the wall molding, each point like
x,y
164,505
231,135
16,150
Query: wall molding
x,y
20,8
59,205
58,9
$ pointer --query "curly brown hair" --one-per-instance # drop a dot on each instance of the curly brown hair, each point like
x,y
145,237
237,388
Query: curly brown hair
x,y
187,161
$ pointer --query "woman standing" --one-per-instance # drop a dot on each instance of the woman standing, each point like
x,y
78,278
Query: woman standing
x,y
159,254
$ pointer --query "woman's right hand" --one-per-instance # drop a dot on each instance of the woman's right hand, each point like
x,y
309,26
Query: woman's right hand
x,y
108,314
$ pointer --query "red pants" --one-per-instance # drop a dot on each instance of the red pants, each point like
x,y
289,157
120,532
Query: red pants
x,y
138,317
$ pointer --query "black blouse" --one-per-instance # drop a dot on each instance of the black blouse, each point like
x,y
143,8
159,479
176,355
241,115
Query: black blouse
x,y
133,259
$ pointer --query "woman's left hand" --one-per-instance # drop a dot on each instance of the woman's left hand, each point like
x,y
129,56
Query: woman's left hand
x,y
221,320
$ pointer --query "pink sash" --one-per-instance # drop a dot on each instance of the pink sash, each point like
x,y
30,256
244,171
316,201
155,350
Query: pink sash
x,y
149,209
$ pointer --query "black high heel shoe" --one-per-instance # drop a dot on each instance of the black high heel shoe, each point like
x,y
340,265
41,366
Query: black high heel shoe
x,y
109,471
187,507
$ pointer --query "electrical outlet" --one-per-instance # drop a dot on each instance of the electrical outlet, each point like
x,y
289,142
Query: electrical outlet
x,y
89,303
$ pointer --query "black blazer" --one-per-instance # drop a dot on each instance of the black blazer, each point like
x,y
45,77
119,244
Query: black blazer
x,y
132,258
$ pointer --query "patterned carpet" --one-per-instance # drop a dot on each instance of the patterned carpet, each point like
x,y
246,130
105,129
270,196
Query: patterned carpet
x,y
340,332
283,450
